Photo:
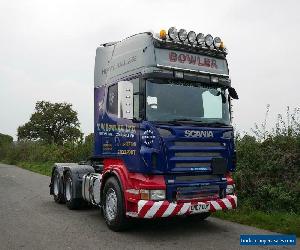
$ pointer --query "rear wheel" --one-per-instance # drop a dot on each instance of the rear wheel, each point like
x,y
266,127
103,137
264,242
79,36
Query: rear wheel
x,y
57,193
71,201
113,206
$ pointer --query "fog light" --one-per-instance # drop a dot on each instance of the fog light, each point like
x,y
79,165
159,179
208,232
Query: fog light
x,y
172,33
155,195
230,189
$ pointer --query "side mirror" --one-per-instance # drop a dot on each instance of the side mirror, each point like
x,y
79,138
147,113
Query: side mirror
x,y
125,100
233,93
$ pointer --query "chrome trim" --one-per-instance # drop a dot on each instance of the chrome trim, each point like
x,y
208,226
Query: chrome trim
x,y
111,204
190,70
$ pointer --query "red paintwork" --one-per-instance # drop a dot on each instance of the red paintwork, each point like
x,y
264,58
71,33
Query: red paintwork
x,y
139,181
229,178
132,181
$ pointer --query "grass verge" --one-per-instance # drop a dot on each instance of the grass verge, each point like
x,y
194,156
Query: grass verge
x,y
281,222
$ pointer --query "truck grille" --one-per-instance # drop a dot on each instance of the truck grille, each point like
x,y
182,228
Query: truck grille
x,y
197,178
194,154
197,193
191,164
197,154
191,160
197,144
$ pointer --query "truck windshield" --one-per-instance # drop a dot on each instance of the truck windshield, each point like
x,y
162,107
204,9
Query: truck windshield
x,y
168,101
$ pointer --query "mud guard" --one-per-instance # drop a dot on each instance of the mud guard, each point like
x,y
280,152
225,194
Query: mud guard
x,y
77,172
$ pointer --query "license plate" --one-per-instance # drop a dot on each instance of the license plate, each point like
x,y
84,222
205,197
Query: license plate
x,y
200,208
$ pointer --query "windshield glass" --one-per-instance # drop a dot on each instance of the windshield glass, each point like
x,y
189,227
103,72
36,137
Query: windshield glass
x,y
170,101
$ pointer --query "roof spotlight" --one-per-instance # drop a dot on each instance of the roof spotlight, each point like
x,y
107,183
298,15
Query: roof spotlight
x,y
182,35
172,33
191,37
209,40
200,39
217,42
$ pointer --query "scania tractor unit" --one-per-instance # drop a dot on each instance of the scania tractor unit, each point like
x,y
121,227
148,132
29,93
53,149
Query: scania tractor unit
x,y
163,139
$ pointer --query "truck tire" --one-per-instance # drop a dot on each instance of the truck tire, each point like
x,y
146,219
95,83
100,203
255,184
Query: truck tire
x,y
71,202
57,194
113,206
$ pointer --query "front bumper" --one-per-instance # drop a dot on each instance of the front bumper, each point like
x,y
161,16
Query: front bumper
x,y
156,209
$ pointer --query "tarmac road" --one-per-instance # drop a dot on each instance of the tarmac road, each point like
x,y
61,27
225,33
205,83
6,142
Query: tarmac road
x,y
29,219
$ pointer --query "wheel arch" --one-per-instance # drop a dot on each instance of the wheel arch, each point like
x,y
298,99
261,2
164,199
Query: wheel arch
x,y
105,177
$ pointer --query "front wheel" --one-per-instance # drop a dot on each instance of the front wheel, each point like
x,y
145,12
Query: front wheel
x,y
113,206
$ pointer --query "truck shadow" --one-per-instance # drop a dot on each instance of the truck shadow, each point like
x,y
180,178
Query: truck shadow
x,y
175,225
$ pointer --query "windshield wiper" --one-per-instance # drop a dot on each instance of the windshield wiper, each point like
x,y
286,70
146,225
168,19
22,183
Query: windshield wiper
x,y
186,120
169,122
209,124
216,124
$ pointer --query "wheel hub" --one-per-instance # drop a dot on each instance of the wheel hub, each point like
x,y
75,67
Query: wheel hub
x,y
56,185
111,204
68,189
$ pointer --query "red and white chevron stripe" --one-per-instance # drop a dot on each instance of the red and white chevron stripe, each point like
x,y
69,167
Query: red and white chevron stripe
x,y
155,209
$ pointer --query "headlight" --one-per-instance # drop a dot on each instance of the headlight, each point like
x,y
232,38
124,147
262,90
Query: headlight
x,y
172,33
200,39
182,35
209,40
155,195
230,189
217,42
191,37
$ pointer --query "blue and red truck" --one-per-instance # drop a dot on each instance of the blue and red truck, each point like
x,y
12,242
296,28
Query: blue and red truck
x,y
163,139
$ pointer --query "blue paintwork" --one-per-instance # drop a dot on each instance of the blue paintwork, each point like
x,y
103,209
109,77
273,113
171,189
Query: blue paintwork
x,y
125,137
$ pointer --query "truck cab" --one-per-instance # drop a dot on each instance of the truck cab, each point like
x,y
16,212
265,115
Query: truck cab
x,y
163,139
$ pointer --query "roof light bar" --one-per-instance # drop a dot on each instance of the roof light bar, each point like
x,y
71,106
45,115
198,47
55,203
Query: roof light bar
x,y
192,38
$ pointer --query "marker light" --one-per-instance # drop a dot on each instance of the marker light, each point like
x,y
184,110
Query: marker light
x,y
191,37
172,33
163,34
222,46
200,39
182,35
217,42
209,40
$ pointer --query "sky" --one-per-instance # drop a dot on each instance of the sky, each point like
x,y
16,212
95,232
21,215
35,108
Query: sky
x,y
47,51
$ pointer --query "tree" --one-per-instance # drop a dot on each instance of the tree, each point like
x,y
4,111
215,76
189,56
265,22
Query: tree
x,y
5,139
5,142
52,123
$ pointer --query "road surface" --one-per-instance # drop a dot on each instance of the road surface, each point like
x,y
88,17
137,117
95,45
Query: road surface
x,y
29,219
